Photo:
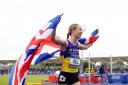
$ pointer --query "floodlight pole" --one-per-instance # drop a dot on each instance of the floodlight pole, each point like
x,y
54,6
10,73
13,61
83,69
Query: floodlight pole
x,y
111,64
82,57
89,68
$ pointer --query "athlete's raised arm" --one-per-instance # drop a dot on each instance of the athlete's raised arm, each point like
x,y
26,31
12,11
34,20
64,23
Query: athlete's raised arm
x,y
57,40
84,47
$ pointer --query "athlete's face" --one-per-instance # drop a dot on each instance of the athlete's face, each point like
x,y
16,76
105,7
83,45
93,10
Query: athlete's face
x,y
78,31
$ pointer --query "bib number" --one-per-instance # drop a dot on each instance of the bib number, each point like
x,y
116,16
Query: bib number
x,y
74,62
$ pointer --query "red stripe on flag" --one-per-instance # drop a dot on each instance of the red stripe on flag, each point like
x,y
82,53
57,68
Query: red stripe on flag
x,y
16,78
26,65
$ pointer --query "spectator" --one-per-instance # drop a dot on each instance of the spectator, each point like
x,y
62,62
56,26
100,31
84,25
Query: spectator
x,y
102,72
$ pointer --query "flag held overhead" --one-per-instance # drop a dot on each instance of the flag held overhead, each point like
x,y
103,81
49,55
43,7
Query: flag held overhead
x,y
20,69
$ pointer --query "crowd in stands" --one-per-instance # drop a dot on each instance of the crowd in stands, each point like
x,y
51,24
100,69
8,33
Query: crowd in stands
x,y
37,70
120,70
53,69
4,71
43,70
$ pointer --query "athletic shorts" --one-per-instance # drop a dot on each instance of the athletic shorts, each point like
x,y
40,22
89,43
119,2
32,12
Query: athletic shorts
x,y
68,78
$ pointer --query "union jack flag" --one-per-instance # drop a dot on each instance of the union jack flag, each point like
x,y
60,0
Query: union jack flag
x,y
94,36
20,69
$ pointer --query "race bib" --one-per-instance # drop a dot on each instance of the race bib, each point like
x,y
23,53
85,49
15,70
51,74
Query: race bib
x,y
74,62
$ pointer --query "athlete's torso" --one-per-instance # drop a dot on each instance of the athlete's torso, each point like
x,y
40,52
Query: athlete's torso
x,y
70,58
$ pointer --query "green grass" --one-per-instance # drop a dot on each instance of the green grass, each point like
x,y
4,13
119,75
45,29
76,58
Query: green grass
x,y
30,79
4,79
36,78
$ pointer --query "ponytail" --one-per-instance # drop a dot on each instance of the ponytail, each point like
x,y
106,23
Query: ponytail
x,y
67,35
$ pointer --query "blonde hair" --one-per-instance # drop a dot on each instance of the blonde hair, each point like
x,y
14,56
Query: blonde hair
x,y
71,28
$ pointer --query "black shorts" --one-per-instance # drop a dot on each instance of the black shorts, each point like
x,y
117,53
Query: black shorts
x,y
68,78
